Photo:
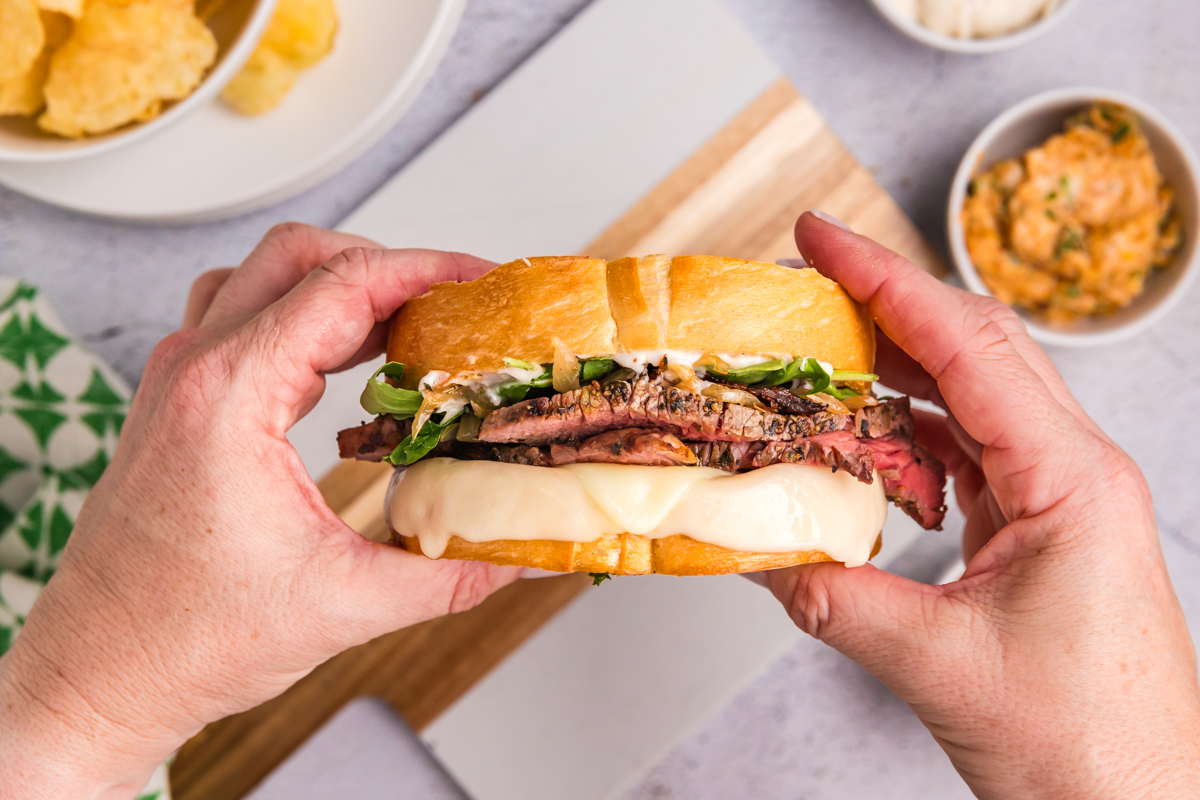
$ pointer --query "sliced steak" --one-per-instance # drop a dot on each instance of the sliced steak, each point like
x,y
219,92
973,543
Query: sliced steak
x,y
641,403
913,477
838,450
729,456
627,446
504,453
373,440
893,415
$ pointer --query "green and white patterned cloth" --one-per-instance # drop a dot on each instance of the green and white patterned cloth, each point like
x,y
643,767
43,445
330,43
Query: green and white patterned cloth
x,y
61,410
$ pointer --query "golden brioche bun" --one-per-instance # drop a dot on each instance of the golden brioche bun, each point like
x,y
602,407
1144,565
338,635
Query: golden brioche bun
x,y
623,554
705,303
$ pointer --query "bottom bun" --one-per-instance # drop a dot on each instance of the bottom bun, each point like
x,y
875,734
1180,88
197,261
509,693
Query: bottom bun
x,y
623,554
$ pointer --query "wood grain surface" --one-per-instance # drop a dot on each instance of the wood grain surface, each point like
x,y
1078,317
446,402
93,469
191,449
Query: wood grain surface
x,y
738,195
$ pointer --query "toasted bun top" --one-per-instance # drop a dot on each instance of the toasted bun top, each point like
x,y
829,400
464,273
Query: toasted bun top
x,y
704,303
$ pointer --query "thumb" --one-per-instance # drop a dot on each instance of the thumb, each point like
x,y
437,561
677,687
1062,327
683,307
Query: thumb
x,y
873,617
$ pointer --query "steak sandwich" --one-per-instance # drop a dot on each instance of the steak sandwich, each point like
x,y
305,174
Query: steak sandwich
x,y
690,415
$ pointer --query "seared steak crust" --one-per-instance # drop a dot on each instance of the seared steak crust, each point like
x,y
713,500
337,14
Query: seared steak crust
x,y
580,414
373,440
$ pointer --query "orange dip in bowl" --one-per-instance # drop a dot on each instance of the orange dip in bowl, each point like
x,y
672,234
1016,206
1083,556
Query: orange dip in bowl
x,y
1073,228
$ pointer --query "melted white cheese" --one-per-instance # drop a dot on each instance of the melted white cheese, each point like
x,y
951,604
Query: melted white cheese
x,y
782,508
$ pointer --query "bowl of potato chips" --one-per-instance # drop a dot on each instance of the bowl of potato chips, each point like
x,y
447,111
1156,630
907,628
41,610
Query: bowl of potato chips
x,y
82,77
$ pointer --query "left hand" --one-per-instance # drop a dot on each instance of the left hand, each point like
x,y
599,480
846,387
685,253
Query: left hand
x,y
206,574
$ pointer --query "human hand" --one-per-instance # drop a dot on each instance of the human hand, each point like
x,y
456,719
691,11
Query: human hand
x,y
1060,665
205,573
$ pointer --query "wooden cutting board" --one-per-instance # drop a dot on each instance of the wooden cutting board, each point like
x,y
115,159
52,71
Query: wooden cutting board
x,y
739,195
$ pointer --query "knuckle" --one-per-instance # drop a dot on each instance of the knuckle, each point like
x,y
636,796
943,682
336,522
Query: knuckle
x,y
199,379
285,232
170,350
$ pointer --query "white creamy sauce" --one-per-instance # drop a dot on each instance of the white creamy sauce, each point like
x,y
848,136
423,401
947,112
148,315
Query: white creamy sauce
x,y
637,360
783,508
980,19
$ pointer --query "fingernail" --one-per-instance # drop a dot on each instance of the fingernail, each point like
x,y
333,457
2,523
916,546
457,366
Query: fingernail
x,y
832,220
793,263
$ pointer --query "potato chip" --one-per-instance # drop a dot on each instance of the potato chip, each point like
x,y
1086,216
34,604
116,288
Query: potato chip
x,y
21,37
302,31
72,8
22,94
124,58
262,83
300,34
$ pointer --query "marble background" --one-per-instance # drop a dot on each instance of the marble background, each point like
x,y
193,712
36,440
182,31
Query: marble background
x,y
814,725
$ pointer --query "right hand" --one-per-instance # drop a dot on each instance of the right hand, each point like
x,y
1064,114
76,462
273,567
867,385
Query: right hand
x,y
1060,665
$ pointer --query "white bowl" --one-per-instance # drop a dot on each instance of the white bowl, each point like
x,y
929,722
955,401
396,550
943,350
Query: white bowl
x,y
216,162
915,30
237,26
1028,124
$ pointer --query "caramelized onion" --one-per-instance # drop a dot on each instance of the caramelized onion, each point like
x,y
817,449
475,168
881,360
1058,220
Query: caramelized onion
x,y
727,394
565,375
858,401
685,377
432,401
714,362
835,405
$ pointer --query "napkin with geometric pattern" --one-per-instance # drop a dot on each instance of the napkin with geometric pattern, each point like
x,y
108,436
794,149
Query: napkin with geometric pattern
x,y
61,410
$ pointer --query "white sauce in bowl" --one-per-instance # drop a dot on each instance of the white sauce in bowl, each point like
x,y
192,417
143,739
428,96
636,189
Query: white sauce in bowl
x,y
976,19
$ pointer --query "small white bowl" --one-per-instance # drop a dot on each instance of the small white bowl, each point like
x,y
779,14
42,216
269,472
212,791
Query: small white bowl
x,y
237,26
915,30
1030,123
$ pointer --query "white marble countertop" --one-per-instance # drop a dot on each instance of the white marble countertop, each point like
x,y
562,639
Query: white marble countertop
x,y
814,725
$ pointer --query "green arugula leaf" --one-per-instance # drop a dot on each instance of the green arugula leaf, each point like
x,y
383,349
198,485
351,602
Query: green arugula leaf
x,y
843,375
599,577
595,368
818,379
513,392
519,364
755,373
545,380
417,445
383,398
793,370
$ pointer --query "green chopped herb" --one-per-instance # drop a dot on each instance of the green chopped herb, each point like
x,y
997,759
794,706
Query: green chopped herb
x,y
519,364
594,368
1068,241
1072,291
1120,133
1050,215
417,445
380,397
1051,196
599,577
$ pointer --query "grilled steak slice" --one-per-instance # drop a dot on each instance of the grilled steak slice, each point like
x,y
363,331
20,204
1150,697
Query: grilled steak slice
x,y
504,453
641,403
627,446
373,440
839,450
913,478
893,415
729,456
